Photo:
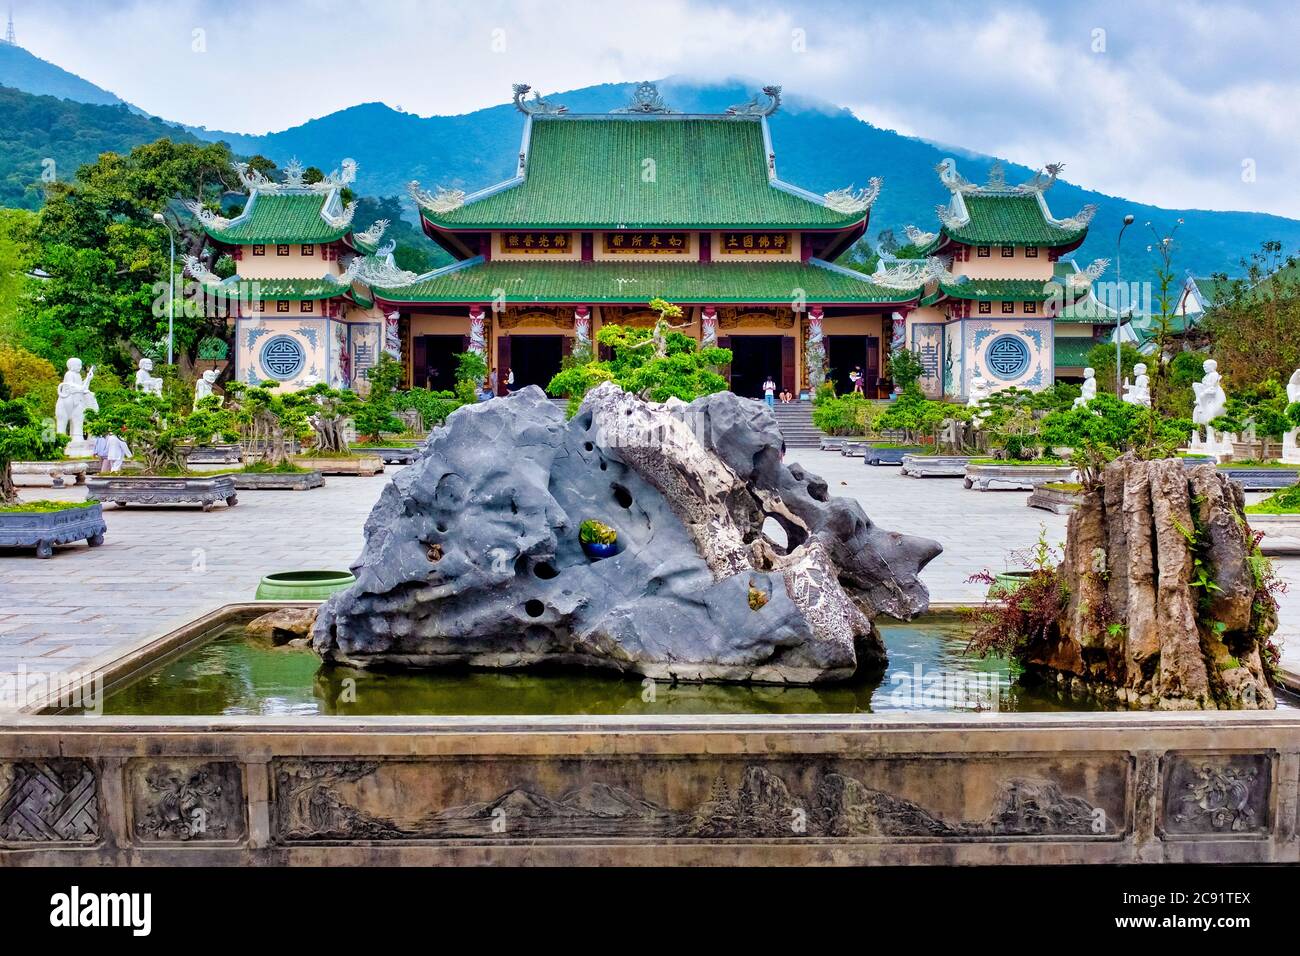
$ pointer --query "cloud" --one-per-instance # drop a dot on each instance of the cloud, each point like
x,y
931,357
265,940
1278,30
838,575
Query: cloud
x,y
1171,104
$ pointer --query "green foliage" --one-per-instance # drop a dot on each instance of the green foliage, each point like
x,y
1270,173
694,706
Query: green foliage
x,y
374,416
266,421
592,531
23,438
656,364
29,376
1107,428
1260,407
905,368
1253,325
1010,421
850,414
1102,359
434,407
913,414
156,430
471,375
1285,501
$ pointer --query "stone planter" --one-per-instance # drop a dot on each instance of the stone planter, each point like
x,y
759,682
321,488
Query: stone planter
x,y
1280,526
391,455
1024,477
1256,451
1056,500
51,474
1262,479
363,465
935,466
213,455
832,443
852,448
44,529
122,490
872,455
1009,581
303,585
1191,461
278,481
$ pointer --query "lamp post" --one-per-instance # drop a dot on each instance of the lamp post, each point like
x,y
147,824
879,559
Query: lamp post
x,y
1119,313
171,281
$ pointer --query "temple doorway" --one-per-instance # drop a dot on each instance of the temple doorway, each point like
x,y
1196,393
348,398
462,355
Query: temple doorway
x,y
535,359
433,361
754,358
844,353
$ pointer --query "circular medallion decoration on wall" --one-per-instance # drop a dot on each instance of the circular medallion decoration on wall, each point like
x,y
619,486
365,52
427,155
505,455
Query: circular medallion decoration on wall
x,y
1008,357
283,357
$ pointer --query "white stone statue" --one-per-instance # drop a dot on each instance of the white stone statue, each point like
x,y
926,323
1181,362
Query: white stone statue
x,y
75,399
1211,402
1291,440
1139,392
1089,390
145,380
980,389
203,385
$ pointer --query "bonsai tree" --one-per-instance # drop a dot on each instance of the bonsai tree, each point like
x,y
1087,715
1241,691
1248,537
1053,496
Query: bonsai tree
x,y
266,422
374,415
1107,428
471,374
22,438
850,414
156,431
1257,412
656,364
327,411
905,369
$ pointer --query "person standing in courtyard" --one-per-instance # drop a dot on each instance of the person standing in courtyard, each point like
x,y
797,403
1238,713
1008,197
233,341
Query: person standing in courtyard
x,y
856,378
769,392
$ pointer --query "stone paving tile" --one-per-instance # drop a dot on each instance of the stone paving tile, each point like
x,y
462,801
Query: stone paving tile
x,y
87,603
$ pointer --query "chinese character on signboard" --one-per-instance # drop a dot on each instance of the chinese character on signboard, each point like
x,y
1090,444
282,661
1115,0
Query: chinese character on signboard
x,y
535,242
658,243
756,243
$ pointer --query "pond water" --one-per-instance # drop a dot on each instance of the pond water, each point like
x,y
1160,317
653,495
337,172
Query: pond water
x,y
234,674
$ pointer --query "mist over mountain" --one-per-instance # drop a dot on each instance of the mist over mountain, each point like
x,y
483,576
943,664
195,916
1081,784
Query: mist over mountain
x,y
818,146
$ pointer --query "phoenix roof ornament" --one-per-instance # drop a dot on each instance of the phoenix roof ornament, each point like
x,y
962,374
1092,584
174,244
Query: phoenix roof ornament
x,y
343,219
848,201
373,233
1080,218
196,268
912,273
380,272
537,105
918,238
206,216
1086,277
756,108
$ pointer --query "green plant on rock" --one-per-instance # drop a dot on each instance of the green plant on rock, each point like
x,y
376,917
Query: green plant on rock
x,y
592,531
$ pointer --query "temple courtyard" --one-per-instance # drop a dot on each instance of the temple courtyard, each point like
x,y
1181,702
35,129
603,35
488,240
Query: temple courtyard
x,y
160,568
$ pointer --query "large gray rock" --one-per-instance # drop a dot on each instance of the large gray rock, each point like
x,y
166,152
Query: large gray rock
x,y
472,553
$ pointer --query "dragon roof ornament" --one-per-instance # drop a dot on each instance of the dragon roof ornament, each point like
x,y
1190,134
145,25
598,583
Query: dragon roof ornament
x,y
343,219
295,178
196,268
442,200
373,233
1079,219
912,273
1043,180
206,216
537,106
950,217
646,99
1084,278
849,201
918,238
379,271
756,108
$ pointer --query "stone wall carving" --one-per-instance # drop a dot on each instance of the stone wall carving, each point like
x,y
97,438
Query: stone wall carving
x,y
48,801
187,800
1225,794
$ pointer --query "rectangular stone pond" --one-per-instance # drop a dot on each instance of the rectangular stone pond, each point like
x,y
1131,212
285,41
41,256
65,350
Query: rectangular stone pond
x,y
215,749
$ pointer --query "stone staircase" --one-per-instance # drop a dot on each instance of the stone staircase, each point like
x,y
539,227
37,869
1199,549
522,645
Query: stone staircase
x,y
797,427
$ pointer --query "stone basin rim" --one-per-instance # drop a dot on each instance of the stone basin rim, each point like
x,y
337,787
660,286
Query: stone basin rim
x,y
124,666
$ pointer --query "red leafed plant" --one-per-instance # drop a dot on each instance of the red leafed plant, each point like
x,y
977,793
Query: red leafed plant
x,y
1018,617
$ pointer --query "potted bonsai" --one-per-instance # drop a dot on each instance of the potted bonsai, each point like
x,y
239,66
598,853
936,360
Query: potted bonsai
x,y
269,427
38,524
598,539
910,413
158,434
375,415
328,411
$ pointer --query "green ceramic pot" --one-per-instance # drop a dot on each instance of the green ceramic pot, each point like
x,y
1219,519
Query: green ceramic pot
x,y
1011,581
302,585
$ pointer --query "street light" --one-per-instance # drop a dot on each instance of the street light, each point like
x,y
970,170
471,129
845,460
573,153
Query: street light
x,y
171,281
1119,312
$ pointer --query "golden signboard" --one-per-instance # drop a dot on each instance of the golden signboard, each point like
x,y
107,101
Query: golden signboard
x,y
666,243
536,242
756,243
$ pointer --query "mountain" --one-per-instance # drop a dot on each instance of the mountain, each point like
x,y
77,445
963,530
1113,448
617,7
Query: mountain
x,y
817,145
45,135
31,74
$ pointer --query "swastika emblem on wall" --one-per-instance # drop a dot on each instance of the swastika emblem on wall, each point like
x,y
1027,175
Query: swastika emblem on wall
x,y
1008,357
47,802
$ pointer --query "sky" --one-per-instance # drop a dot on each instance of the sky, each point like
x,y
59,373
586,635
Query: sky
x,y
1182,104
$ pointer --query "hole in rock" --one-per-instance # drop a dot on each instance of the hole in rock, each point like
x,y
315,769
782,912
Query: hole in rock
x,y
545,570
534,607
588,446
603,466
622,495
442,527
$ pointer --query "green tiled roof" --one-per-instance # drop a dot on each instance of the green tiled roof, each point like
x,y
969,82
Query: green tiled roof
x,y
279,217
1072,350
995,290
638,282
291,289
1212,290
593,173
1010,220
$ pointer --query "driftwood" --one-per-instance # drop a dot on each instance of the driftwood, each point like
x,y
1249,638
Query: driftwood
x,y
1168,602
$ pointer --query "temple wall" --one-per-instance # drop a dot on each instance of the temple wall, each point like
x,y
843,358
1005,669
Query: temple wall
x,y
502,249
293,266
988,348
1018,266
335,351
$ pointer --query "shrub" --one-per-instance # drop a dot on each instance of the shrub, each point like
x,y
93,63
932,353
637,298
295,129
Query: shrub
x,y
28,375
23,438
847,415
434,407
